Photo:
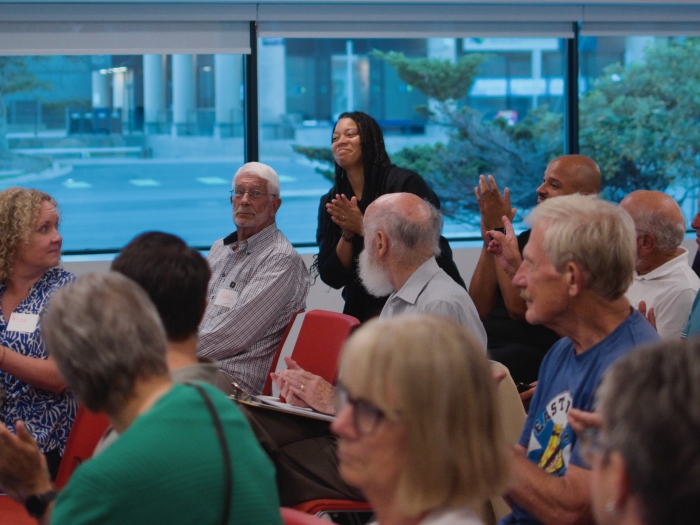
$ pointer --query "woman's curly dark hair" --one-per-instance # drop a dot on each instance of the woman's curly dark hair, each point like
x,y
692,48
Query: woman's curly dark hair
x,y
376,165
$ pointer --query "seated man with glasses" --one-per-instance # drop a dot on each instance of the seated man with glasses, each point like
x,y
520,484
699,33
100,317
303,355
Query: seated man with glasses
x,y
258,282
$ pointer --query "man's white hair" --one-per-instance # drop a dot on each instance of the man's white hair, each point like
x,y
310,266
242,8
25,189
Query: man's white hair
x,y
597,235
261,170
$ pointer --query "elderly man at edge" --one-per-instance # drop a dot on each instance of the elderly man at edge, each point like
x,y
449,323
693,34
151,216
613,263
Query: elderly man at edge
x,y
102,327
258,282
663,279
577,265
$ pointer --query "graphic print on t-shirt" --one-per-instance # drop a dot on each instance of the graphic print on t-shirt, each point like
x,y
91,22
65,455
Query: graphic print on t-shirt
x,y
550,441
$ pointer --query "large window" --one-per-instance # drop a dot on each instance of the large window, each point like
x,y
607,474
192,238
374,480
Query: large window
x,y
133,141
507,95
126,143
639,114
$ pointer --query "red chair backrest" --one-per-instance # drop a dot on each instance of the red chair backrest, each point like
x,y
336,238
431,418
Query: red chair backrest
x,y
295,517
320,340
267,389
87,430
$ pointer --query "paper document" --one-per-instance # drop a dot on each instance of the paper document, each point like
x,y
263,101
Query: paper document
x,y
274,403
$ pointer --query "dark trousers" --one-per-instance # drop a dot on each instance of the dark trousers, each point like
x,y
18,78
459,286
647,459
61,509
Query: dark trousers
x,y
303,452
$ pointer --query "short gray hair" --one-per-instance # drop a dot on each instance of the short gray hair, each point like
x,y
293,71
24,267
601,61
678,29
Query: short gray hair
x,y
410,239
596,235
104,333
264,172
650,403
669,233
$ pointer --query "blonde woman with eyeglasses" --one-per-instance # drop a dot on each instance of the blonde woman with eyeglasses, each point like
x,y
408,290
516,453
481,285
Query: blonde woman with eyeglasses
x,y
417,422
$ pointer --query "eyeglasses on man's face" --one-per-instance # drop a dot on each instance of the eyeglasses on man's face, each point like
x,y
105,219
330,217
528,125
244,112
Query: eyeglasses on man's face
x,y
253,195
365,416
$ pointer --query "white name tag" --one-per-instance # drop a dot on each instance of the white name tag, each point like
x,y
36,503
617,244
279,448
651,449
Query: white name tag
x,y
226,298
23,323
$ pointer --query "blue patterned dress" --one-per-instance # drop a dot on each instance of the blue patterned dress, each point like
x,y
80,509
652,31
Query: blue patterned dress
x,y
48,416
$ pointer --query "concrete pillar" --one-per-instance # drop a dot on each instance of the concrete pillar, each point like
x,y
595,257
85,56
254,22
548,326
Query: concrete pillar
x,y
228,70
183,94
536,75
100,90
153,92
272,90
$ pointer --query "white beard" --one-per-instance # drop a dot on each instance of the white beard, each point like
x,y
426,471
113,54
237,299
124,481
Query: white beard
x,y
374,277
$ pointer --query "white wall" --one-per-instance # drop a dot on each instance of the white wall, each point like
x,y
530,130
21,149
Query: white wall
x,y
323,297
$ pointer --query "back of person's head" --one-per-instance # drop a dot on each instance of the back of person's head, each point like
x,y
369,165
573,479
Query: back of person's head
x,y
658,214
260,170
431,375
411,224
597,235
650,403
19,209
174,276
105,334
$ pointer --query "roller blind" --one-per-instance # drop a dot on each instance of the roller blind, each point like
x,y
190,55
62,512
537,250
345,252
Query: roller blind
x,y
414,20
60,29
652,20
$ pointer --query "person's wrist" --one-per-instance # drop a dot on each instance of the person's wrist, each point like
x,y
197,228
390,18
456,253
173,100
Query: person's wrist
x,y
345,236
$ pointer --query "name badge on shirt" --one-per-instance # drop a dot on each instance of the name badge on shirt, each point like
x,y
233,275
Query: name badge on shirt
x,y
226,298
25,323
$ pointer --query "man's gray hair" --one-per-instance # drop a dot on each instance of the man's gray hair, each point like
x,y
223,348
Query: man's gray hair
x,y
263,171
104,333
650,403
597,235
669,233
410,240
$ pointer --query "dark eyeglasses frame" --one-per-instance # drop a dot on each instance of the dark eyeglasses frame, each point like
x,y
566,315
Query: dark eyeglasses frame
x,y
366,416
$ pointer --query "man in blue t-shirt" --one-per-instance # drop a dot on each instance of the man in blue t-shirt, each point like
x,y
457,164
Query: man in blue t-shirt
x,y
577,266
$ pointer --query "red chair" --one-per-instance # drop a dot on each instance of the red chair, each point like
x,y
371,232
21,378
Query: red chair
x,y
13,513
317,349
295,517
87,430
324,507
267,389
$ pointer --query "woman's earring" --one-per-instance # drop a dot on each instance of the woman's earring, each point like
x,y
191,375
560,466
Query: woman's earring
x,y
610,507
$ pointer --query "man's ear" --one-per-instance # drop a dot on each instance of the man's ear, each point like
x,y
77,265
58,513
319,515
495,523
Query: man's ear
x,y
276,203
646,243
576,278
381,245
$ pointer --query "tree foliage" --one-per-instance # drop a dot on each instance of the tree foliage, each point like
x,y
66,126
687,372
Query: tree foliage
x,y
322,155
437,79
639,122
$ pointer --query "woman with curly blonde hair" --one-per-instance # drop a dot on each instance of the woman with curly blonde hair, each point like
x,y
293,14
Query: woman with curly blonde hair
x,y
30,249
